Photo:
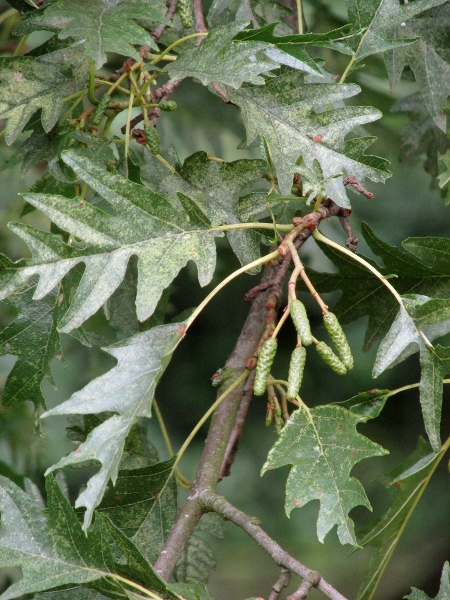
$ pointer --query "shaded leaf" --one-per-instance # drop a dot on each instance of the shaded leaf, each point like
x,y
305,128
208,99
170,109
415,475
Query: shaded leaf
x,y
28,85
194,590
221,183
50,551
290,50
34,339
219,59
136,568
321,453
431,72
127,391
404,338
444,590
406,483
139,222
434,365
103,25
368,405
198,557
143,504
292,118
422,137
376,19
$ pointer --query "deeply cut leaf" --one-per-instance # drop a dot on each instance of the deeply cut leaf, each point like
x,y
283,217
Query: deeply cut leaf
x,y
290,50
444,590
33,338
140,223
127,391
50,551
103,25
28,85
407,483
221,184
375,21
144,506
219,59
293,119
431,72
321,454
53,551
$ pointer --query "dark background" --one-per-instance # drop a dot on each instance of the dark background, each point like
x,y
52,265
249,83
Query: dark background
x,y
405,206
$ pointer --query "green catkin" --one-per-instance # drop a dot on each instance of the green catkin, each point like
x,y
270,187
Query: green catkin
x,y
185,12
338,338
301,321
167,105
265,360
100,109
296,367
328,356
152,138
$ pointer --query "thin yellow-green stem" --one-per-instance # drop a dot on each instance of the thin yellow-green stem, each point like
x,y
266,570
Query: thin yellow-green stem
x,y
177,43
112,85
254,225
181,479
79,98
321,238
20,45
281,322
134,585
260,261
151,55
127,131
208,413
146,85
163,428
91,88
300,16
164,162
124,75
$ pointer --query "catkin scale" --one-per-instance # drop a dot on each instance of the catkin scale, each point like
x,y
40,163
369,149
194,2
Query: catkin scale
x,y
185,12
301,321
100,109
330,358
296,367
152,139
338,338
265,360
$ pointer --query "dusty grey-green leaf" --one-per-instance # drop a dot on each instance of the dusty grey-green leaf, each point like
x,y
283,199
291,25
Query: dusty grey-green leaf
x,y
127,391
293,119
105,25
376,19
26,86
321,453
139,223
220,60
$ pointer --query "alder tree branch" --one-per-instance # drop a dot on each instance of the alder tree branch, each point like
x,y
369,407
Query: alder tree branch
x,y
241,415
218,504
312,580
227,422
216,443
157,33
199,20
282,582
